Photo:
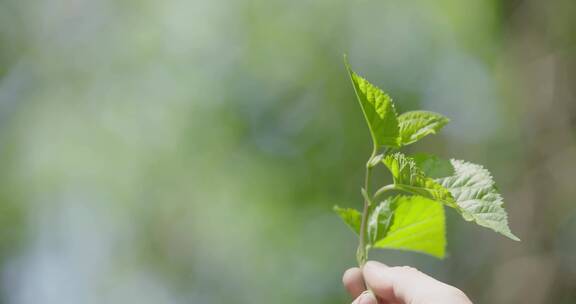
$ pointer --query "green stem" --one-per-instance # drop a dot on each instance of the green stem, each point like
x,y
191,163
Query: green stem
x,y
385,189
361,252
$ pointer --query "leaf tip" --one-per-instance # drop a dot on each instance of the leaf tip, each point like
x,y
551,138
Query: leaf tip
x,y
347,63
513,237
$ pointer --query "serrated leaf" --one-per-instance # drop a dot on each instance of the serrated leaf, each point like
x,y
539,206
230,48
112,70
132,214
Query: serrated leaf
x,y
415,125
432,165
418,224
473,189
378,111
408,177
352,217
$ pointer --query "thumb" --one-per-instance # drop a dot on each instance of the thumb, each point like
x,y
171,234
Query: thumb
x,y
408,285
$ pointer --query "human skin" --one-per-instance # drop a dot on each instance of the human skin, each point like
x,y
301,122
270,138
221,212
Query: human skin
x,y
398,285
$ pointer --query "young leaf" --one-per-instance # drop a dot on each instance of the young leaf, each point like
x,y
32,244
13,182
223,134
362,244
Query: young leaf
x,y
414,125
352,217
433,166
379,221
378,111
418,224
408,177
372,162
473,189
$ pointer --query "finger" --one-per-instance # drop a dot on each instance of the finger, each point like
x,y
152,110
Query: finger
x,y
404,284
366,298
354,282
377,279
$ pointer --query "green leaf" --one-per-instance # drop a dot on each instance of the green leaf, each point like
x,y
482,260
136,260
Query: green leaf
x,y
408,177
418,224
378,111
352,217
372,162
379,221
433,166
473,189
414,125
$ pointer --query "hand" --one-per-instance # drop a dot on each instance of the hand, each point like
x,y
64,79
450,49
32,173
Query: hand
x,y
398,285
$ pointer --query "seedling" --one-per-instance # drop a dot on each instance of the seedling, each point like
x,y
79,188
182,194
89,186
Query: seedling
x,y
409,213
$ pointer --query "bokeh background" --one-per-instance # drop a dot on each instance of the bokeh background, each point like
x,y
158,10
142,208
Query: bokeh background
x,y
185,151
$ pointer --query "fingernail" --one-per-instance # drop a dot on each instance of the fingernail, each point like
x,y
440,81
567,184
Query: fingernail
x,y
367,298
363,299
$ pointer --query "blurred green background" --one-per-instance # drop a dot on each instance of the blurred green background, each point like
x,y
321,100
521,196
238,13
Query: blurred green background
x,y
185,151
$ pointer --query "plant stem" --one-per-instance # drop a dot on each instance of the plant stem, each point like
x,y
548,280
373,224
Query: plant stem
x,y
361,252
385,189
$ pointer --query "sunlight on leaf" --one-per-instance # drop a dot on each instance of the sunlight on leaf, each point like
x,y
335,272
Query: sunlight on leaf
x,y
415,125
418,224
473,189
378,111
408,177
